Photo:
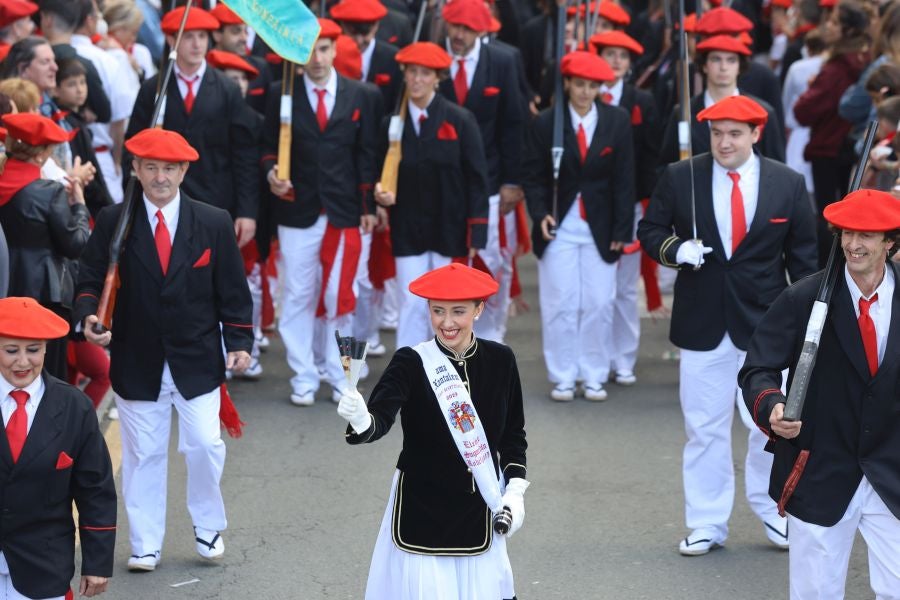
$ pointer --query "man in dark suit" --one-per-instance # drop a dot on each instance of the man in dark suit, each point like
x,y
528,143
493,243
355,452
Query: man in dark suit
x,y
322,210
207,109
837,469
361,20
232,37
182,295
756,224
483,80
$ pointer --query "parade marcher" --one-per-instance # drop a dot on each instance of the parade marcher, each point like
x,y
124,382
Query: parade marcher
x,y
440,210
722,58
232,37
182,294
436,538
360,20
620,51
207,109
577,266
756,224
45,225
848,435
321,211
55,455
15,21
483,80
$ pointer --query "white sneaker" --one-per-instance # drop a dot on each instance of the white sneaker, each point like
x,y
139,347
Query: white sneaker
x,y
210,544
378,349
112,414
625,378
305,398
594,392
147,562
253,372
699,542
563,392
777,532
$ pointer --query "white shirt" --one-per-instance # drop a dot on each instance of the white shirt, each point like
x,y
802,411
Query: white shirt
x,y
170,214
197,77
708,100
471,60
367,59
415,113
588,122
614,91
330,92
722,186
8,405
880,310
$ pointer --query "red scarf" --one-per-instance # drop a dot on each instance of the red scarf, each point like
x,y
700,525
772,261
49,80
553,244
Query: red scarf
x,y
16,175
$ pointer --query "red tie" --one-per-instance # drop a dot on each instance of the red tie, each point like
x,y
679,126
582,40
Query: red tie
x,y
606,97
321,111
738,220
17,427
163,241
582,150
189,97
459,82
422,117
867,330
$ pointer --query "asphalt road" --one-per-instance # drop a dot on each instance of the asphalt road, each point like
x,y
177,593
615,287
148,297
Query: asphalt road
x,y
604,511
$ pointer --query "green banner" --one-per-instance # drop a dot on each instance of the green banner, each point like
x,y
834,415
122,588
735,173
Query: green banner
x,y
287,26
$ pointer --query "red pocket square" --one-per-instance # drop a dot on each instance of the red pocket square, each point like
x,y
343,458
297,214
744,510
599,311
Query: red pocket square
x,y
605,151
393,39
256,92
447,132
776,221
382,79
273,59
355,116
491,91
637,117
203,260
64,461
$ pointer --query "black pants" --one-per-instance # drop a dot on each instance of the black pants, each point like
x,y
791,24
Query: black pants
x,y
831,177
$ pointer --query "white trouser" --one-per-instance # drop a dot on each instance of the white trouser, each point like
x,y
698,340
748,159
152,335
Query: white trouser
x,y
414,323
255,283
577,288
820,555
366,314
626,327
709,391
493,318
145,444
7,591
112,177
508,254
390,303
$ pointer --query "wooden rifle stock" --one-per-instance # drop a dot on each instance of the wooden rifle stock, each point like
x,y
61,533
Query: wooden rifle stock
x,y
793,407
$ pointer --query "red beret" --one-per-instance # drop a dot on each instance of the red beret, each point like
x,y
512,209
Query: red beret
x,y
35,130
425,54
610,11
329,29
723,43
782,3
827,3
229,60
735,108
358,11
161,144
454,282
586,65
496,25
13,10
348,59
617,39
723,20
690,23
4,51
473,14
865,210
225,16
24,318
198,20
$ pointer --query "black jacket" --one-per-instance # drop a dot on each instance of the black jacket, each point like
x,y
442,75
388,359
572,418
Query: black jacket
x,y
761,82
438,508
645,127
43,233
385,73
173,317
496,101
332,170
442,194
220,128
37,535
851,421
605,180
258,88
729,296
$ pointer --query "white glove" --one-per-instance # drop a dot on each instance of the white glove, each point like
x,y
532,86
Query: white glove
x,y
352,408
691,253
514,499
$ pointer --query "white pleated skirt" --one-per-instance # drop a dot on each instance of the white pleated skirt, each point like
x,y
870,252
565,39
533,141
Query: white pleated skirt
x,y
399,575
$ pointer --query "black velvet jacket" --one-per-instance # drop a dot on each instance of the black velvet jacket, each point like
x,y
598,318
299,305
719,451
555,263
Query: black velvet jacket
x,y
438,508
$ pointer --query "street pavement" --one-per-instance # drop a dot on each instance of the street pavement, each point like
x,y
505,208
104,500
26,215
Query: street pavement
x,y
604,511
